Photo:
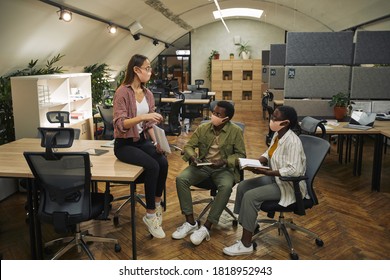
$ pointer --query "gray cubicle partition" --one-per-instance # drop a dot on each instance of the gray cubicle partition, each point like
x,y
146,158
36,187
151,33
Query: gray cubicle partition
x,y
310,107
265,74
277,54
370,83
316,81
265,57
312,48
372,47
276,77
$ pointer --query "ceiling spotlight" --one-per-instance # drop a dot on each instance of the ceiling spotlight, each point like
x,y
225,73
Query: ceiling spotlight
x,y
65,15
166,45
136,37
155,42
112,29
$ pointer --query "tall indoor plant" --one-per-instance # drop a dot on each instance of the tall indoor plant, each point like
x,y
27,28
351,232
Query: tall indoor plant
x,y
213,55
244,50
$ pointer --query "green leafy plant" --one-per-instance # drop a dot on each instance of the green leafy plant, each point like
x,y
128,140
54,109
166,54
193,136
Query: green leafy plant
x,y
99,81
211,57
243,47
340,99
6,110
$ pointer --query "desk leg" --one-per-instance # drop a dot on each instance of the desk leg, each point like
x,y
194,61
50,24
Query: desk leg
x,y
31,220
377,164
360,159
132,215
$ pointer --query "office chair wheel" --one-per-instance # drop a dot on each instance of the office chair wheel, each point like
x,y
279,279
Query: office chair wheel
x,y
118,248
319,242
116,221
235,223
294,256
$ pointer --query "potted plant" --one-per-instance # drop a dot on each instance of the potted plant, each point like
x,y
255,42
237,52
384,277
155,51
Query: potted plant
x,y
340,102
244,50
231,55
213,55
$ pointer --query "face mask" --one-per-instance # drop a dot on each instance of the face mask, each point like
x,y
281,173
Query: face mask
x,y
217,121
276,125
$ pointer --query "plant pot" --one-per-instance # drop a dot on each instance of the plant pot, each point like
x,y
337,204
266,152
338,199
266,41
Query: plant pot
x,y
340,112
245,55
232,56
216,56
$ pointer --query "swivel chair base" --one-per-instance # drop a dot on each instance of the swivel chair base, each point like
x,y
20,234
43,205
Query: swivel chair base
x,y
80,239
282,224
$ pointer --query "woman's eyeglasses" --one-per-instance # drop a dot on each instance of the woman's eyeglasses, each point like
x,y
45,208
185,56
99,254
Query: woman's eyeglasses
x,y
148,69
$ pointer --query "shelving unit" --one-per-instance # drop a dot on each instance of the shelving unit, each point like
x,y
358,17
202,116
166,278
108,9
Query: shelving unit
x,y
34,96
239,81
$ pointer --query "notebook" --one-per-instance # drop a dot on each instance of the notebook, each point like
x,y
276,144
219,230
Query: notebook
x,y
361,120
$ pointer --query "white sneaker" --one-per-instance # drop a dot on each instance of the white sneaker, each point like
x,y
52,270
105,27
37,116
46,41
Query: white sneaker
x,y
154,227
183,230
200,234
238,249
159,212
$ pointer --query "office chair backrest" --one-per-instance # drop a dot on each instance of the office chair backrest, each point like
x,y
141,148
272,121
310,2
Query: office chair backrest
x,y
309,126
64,182
60,117
107,115
315,150
174,119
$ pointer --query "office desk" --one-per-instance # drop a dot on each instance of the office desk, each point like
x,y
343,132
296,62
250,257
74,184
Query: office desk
x,y
186,101
376,131
104,168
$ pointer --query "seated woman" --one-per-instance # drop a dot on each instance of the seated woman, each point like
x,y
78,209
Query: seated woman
x,y
285,157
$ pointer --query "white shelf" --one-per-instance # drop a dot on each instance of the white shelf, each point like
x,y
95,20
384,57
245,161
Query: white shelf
x,y
34,96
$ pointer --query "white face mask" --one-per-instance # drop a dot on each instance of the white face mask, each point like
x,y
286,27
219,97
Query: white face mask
x,y
217,121
276,125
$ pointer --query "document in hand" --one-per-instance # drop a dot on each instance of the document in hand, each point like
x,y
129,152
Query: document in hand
x,y
161,139
248,163
203,163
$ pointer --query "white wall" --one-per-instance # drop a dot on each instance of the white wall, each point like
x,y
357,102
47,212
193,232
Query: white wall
x,y
259,36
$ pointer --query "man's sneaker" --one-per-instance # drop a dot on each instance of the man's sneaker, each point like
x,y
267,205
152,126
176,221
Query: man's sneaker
x,y
153,226
183,230
159,212
200,234
238,249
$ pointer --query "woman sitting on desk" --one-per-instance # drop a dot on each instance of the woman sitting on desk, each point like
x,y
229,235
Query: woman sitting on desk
x,y
135,142
285,157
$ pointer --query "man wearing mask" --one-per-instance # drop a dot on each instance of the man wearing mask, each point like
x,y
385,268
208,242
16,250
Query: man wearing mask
x,y
220,143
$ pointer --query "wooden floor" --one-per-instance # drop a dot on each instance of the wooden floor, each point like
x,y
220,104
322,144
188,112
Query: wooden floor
x,y
353,221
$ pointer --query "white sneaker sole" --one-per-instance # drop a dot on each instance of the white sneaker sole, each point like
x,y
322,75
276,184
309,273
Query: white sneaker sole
x,y
153,234
236,254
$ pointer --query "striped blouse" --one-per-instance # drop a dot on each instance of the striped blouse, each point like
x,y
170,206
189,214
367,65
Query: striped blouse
x,y
289,158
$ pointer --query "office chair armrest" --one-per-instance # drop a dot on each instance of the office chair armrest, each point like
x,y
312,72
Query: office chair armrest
x,y
300,209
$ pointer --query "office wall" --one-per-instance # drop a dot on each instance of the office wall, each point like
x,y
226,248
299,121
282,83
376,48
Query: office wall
x,y
259,36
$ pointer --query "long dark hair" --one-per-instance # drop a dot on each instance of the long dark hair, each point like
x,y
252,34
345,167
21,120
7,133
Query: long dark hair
x,y
136,60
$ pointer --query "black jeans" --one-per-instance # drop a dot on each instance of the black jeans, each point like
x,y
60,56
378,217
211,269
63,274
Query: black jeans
x,y
143,153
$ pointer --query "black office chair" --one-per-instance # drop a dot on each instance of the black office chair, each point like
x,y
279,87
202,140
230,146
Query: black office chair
x,y
309,125
107,115
315,150
191,111
66,200
61,117
268,96
173,126
199,82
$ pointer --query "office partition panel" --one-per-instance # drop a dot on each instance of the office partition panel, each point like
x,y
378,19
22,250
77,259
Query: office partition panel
x,y
265,57
277,54
370,83
312,48
372,47
316,81
276,77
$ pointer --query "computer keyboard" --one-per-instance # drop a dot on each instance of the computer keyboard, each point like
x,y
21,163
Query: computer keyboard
x,y
358,126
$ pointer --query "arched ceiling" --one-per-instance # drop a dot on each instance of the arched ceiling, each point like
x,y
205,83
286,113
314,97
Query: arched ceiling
x,y
30,29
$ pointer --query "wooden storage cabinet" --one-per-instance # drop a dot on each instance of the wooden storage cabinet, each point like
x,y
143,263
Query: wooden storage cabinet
x,y
34,96
239,81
